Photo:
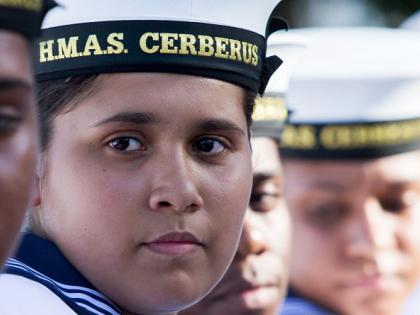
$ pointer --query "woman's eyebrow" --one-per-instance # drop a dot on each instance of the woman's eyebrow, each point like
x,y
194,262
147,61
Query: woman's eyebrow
x,y
138,118
219,124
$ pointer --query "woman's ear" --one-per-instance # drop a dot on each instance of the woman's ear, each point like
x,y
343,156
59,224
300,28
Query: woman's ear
x,y
35,212
36,193
36,189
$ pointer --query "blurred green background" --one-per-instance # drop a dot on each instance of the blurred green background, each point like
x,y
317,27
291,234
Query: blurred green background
x,y
306,13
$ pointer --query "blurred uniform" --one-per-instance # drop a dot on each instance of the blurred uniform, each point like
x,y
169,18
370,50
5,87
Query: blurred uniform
x,y
413,305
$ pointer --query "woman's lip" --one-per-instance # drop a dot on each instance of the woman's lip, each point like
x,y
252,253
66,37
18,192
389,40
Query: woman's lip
x,y
177,237
174,244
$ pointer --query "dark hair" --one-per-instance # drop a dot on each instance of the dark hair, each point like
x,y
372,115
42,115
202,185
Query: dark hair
x,y
61,95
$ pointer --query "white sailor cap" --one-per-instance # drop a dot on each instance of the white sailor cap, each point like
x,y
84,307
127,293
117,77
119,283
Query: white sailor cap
x,y
220,39
24,17
354,95
412,23
270,111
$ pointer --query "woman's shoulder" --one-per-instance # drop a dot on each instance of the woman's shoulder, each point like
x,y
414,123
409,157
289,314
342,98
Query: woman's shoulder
x,y
21,296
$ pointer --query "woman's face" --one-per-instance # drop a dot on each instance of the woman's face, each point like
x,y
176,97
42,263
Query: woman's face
x,y
257,278
146,185
356,245
18,136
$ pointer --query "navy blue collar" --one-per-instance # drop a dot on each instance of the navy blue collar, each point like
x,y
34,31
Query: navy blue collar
x,y
291,293
40,260
296,303
43,256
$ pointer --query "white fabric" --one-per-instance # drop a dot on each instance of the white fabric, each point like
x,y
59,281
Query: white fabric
x,y
21,296
289,48
359,52
86,296
356,75
246,14
412,305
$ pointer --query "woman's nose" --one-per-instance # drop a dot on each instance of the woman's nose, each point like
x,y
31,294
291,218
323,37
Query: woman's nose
x,y
253,240
371,232
175,187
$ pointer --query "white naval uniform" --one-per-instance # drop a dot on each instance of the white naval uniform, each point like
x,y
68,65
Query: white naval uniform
x,y
21,296
40,280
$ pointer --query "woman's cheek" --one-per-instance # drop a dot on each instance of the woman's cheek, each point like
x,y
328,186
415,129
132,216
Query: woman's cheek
x,y
231,191
233,186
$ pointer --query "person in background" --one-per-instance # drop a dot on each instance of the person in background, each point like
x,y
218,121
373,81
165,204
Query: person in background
x,y
257,279
20,22
351,157
412,306
146,171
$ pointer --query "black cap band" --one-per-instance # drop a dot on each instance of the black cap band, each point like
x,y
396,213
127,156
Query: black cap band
x,y
350,141
24,16
221,52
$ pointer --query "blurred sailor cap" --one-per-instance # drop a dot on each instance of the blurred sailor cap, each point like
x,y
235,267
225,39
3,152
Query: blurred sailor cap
x,y
270,111
355,94
24,17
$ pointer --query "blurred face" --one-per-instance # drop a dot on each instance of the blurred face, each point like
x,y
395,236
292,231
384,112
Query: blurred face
x,y
157,172
356,246
256,281
18,137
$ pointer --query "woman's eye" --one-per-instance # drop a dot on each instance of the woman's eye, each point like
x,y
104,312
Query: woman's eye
x,y
209,146
400,201
264,201
394,205
9,123
126,144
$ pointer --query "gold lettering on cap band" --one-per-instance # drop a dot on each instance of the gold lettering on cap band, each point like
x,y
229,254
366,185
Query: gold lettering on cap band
x,y
365,136
221,52
351,137
32,5
270,108
150,43
299,137
67,47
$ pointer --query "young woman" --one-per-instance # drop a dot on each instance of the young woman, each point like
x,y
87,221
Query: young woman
x,y
19,24
351,156
146,165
